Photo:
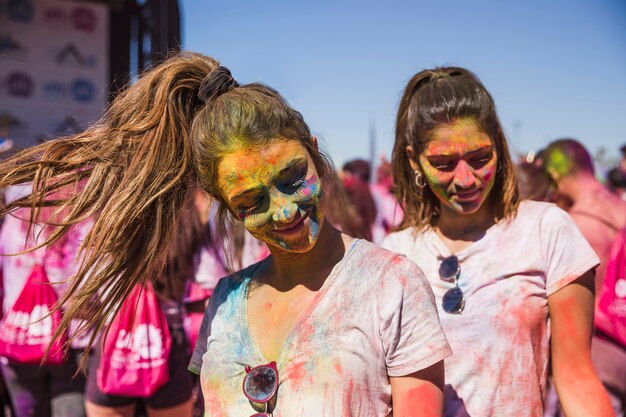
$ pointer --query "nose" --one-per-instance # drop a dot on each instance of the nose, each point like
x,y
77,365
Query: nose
x,y
285,212
464,175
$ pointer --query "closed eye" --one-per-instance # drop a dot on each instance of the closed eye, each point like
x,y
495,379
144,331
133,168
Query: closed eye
x,y
294,179
246,210
480,161
443,165
297,184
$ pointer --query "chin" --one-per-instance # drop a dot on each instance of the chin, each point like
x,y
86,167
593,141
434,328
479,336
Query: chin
x,y
301,246
466,208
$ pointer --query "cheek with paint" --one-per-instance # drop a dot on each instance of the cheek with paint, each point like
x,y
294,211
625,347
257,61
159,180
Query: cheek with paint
x,y
443,183
487,174
283,208
438,181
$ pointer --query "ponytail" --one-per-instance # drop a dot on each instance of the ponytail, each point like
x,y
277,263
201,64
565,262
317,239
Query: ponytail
x,y
132,172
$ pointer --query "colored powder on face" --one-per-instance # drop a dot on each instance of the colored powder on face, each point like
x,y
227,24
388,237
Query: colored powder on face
x,y
269,180
452,161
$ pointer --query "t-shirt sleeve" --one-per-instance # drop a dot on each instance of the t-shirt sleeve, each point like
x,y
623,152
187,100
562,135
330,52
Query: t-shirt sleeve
x,y
411,333
195,364
389,242
566,253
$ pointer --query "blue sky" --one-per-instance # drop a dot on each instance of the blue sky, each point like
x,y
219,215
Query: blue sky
x,y
555,68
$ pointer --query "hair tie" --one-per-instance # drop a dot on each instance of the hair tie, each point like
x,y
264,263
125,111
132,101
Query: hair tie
x,y
445,74
216,83
436,74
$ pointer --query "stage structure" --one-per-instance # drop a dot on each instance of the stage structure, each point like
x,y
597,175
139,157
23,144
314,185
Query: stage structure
x,y
61,61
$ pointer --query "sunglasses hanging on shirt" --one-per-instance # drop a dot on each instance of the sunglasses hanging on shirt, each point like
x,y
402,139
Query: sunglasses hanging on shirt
x,y
260,385
453,300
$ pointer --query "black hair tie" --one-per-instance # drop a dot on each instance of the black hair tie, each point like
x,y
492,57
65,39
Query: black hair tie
x,y
216,83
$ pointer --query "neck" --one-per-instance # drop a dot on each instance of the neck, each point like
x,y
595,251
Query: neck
x,y
288,269
580,188
466,227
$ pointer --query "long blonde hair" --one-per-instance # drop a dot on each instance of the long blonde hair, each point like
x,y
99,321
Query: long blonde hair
x,y
134,168
163,136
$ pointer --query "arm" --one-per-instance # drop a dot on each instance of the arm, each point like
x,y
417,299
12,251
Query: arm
x,y
571,312
420,393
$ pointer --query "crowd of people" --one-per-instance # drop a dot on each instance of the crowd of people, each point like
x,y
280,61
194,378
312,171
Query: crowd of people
x,y
207,259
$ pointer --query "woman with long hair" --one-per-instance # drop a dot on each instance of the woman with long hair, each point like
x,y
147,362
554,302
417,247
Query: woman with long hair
x,y
326,325
500,269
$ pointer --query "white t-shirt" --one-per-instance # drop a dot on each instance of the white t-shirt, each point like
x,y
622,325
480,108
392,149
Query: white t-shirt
x,y
373,318
500,341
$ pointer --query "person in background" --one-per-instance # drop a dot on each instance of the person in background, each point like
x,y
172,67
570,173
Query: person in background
x,y
533,183
277,337
600,215
616,181
388,211
360,221
174,398
358,168
7,149
41,390
499,267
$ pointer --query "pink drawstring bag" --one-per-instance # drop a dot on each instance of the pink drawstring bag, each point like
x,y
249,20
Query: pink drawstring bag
x,y
610,317
28,327
136,347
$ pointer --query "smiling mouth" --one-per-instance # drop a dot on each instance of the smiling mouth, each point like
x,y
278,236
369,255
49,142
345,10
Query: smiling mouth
x,y
467,196
294,226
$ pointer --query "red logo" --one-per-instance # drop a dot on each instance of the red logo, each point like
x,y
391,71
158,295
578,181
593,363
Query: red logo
x,y
83,19
54,16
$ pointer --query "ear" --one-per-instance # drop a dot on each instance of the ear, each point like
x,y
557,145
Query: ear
x,y
314,142
553,174
412,155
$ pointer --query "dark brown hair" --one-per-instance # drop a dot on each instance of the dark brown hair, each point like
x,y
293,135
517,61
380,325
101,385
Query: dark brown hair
x,y
533,183
433,98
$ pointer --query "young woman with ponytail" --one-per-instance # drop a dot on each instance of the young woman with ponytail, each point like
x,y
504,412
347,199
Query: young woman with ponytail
x,y
326,325
513,280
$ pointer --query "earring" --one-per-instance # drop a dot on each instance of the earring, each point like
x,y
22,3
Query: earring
x,y
419,179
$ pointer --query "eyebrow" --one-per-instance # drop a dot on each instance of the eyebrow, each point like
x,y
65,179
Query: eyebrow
x,y
290,164
475,151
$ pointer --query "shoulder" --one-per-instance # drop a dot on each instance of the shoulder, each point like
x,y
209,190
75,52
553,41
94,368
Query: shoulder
x,y
368,251
538,209
401,240
233,283
386,266
541,214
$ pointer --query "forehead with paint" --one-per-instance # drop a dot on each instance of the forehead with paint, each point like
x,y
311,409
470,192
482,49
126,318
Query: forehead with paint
x,y
456,138
459,162
275,191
